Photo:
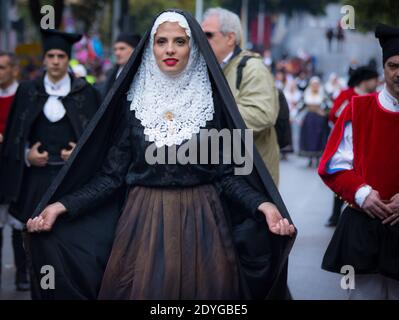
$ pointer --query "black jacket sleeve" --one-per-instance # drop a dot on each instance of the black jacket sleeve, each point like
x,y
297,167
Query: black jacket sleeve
x,y
240,192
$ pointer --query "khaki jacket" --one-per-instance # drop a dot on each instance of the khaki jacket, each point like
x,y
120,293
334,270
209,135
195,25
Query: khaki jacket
x,y
257,101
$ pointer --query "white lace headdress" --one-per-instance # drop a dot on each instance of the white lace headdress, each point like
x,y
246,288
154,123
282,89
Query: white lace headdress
x,y
171,108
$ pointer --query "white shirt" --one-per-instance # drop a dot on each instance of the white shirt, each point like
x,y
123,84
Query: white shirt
x,y
119,72
343,157
53,109
10,90
226,60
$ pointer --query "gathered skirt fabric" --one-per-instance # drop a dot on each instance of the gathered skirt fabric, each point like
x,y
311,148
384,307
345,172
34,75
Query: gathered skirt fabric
x,y
364,243
172,244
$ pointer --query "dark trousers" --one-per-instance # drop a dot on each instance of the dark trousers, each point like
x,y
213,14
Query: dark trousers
x,y
1,251
19,257
21,274
338,203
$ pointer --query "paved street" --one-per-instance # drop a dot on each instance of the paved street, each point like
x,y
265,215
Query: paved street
x,y
309,203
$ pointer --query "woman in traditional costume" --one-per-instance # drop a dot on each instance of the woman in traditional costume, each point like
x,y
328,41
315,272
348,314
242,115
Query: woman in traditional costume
x,y
186,230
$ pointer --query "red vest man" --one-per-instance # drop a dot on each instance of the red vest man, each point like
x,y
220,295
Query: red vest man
x,y
360,164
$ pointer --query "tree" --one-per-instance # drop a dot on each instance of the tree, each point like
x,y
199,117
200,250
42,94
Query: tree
x,y
369,12
142,12
280,6
86,12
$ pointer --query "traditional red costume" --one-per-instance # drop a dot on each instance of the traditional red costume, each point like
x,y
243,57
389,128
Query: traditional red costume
x,y
340,102
360,241
375,147
5,105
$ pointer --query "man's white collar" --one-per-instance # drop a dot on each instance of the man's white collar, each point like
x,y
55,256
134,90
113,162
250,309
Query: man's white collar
x,y
388,101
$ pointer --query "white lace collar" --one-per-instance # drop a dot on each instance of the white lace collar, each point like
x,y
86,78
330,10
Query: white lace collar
x,y
171,108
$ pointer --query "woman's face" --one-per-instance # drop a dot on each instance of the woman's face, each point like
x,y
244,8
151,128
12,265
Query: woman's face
x,y
171,48
315,86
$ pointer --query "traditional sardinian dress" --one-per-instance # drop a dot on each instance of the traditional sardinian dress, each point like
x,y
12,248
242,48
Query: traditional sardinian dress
x,y
181,230
314,130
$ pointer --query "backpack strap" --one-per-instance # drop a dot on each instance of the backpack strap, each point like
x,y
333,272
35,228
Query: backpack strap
x,y
240,67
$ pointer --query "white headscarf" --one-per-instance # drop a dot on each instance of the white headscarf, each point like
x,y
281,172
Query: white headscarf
x,y
186,96
311,98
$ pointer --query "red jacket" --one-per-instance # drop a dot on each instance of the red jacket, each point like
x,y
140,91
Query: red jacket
x,y
5,105
340,103
375,149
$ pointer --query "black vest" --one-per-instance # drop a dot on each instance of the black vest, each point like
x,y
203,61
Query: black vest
x,y
54,136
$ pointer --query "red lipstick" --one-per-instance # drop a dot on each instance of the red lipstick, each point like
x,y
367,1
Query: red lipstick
x,y
170,62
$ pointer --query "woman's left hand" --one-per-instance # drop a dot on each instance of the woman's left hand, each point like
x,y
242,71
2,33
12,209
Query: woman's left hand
x,y
275,221
46,219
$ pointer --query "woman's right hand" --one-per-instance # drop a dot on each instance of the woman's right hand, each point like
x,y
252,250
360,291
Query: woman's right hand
x,y
46,219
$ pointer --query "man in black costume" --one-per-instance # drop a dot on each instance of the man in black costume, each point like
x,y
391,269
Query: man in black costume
x,y
123,48
80,243
47,117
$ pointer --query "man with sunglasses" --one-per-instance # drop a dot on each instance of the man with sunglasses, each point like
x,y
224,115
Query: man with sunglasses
x,y
255,93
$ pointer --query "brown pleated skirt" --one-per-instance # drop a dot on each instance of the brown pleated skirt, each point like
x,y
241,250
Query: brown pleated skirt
x,y
172,244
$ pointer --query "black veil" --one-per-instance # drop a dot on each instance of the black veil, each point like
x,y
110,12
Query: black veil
x,y
263,256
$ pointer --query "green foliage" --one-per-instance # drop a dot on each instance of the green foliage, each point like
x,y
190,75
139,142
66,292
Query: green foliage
x,y
86,11
315,7
144,11
369,12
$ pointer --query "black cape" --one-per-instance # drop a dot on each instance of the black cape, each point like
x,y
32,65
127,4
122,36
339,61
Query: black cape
x,y
103,88
263,256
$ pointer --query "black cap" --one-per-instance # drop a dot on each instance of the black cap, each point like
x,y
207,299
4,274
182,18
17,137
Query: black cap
x,y
389,40
362,73
54,39
131,39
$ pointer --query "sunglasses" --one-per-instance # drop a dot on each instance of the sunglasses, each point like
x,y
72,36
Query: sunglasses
x,y
210,35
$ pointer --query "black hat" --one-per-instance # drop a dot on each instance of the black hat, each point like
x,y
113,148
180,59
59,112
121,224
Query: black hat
x,y
131,39
389,40
361,74
54,39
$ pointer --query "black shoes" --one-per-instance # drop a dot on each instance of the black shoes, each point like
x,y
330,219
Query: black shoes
x,y
331,224
22,280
